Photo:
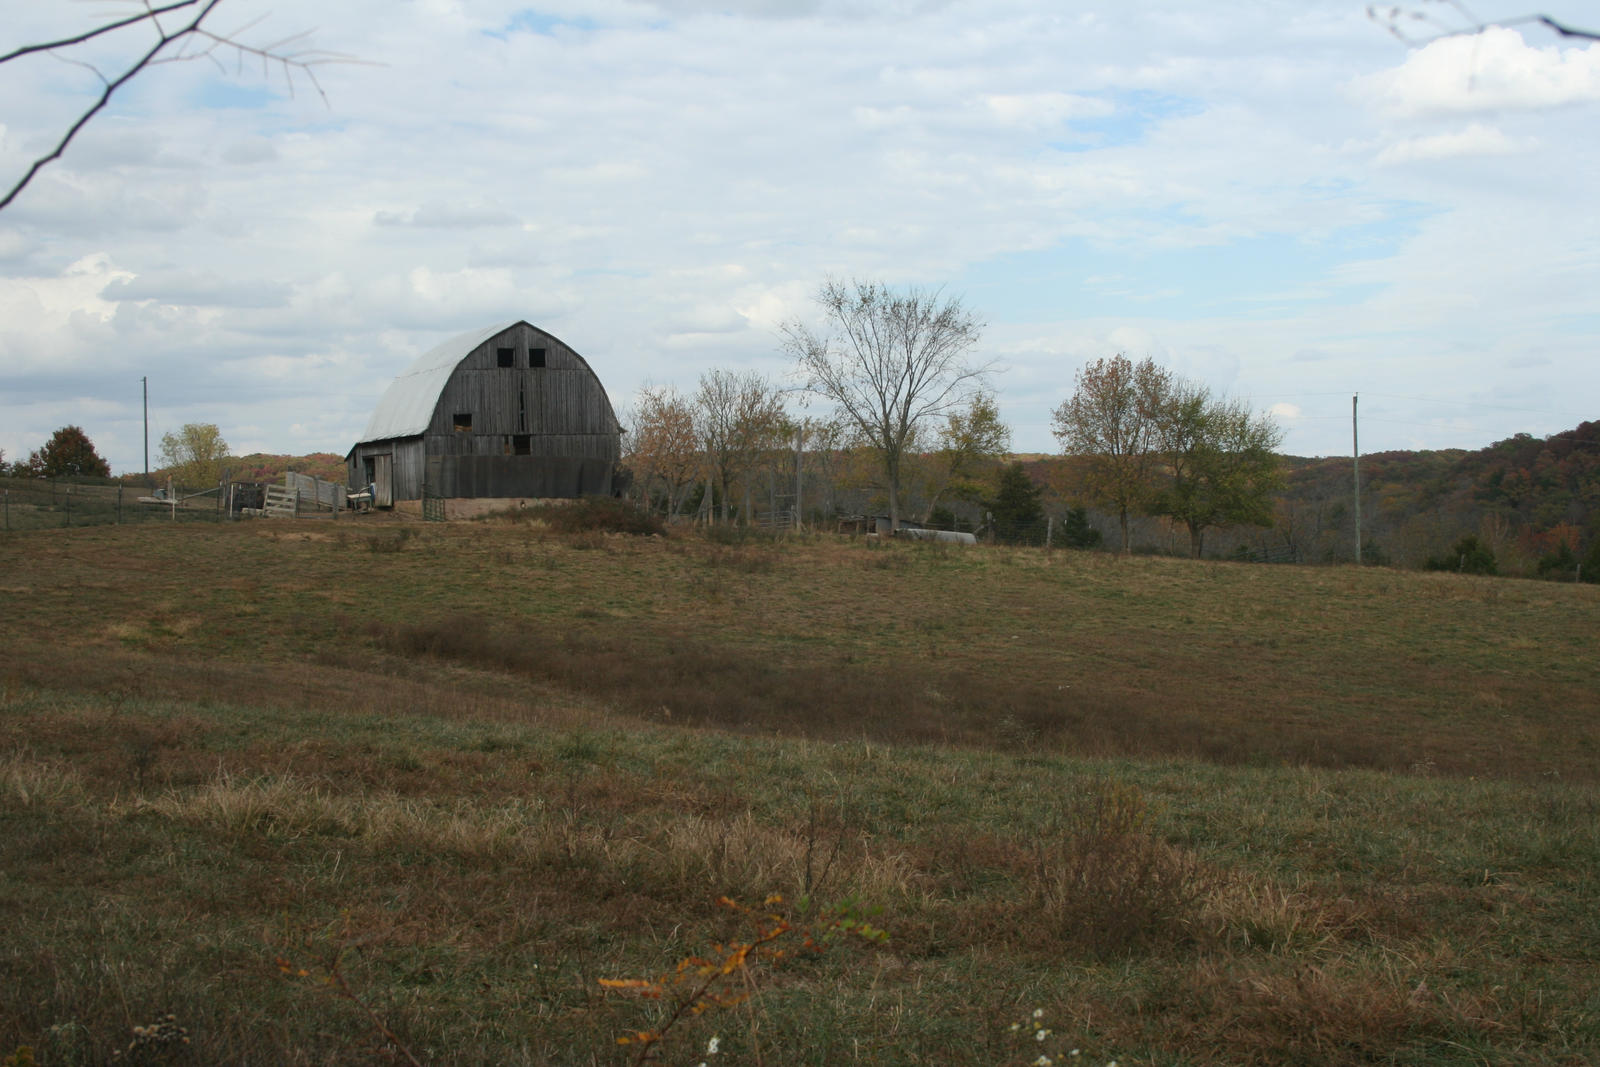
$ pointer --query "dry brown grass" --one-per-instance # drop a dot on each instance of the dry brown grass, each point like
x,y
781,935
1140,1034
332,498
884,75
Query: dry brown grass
x,y
1005,648
1143,795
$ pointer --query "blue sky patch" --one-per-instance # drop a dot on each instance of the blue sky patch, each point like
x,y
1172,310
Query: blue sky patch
x,y
530,21
231,94
1136,112
1266,276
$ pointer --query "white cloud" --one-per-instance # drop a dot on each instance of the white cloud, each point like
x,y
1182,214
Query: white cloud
x,y
1035,110
1492,70
447,216
1474,140
664,185
196,288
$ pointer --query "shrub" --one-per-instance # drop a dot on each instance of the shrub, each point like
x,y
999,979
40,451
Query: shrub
x,y
602,514
1104,883
1562,562
1076,531
1468,555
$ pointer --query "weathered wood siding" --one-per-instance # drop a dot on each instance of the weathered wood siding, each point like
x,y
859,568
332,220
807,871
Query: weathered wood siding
x,y
408,465
562,398
536,431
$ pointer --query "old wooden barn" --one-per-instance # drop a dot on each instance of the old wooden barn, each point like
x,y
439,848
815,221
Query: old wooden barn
x,y
504,412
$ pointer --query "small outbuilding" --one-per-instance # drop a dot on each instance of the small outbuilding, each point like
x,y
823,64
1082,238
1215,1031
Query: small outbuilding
x,y
502,413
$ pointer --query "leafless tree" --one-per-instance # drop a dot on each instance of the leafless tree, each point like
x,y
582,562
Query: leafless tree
x,y
888,361
181,34
739,415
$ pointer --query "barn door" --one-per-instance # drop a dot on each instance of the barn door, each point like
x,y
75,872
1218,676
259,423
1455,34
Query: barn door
x,y
383,480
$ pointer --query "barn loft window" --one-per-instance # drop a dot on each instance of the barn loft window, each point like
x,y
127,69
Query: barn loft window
x,y
463,422
505,357
535,357
522,444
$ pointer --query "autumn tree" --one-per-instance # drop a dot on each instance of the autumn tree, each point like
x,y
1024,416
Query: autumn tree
x,y
664,448
194,454
826,451
971,443
68,453
889,361
1220,463
1113,421
738,414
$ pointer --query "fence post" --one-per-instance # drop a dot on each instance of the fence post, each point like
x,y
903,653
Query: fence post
x,y
8,511
67,508
1049,530
119,505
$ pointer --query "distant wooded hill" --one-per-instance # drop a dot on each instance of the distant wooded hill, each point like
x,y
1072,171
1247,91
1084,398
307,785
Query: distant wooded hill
x,y
1523,498
264,467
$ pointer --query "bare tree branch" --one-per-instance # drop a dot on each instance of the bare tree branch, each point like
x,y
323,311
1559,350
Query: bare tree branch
x,y
68,42
1395,17
1561,28
273,56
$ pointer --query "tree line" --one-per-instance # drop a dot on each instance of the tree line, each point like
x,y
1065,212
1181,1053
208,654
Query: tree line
x,y
1156,443
193,455
909,412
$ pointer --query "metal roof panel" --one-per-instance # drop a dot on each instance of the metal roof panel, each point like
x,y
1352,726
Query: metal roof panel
x,y
406,407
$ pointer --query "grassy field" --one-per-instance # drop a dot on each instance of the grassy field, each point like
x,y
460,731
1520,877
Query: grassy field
x,y
1194,813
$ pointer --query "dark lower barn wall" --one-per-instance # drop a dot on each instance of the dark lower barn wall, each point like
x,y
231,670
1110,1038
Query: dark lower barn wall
x,y
480,477
560,466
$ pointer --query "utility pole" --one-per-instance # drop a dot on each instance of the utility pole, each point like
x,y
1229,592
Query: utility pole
x,y
1355,448
145,382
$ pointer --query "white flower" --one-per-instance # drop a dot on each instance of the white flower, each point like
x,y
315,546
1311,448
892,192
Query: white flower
x,y
1043,1061
1038,1013
1041,1035
712,1045
1015,1027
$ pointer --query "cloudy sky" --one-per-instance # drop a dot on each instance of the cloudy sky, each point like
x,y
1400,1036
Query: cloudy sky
x,y
1277,198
